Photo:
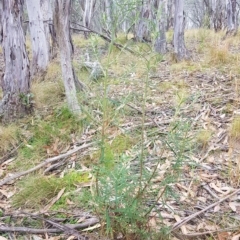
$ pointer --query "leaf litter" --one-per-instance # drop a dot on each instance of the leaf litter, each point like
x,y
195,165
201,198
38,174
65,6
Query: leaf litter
x,y
211,102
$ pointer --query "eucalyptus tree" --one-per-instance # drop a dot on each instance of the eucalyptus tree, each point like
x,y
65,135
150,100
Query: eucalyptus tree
x,y
232,17
143,25
160,44
180,51
16,78
62,28
39,34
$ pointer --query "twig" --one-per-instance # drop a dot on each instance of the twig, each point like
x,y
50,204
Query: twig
x,y
189,218
45,162
87,223
194,235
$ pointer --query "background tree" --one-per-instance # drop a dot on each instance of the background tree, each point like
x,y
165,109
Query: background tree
x,y
62,27
160,44
180,51
142,27
39,35
232,17
16,78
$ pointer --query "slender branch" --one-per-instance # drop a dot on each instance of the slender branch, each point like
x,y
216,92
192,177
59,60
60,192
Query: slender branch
x,y
45,162
87,223
189,218
118,45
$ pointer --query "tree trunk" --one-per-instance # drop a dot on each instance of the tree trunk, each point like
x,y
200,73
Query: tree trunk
x,y
47,21
40,45
88,9
142,31
160,44
170,14
16,79
180,51
62,28
232,17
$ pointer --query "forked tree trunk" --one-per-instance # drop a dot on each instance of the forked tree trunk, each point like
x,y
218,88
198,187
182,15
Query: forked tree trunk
x,y
180,51
16,79
87,13
232,18
40,45
62,28
160,44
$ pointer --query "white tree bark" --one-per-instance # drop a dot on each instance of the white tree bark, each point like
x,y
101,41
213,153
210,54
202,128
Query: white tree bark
x,y
40,45
16,78
232,18
47,21
180,50
62,28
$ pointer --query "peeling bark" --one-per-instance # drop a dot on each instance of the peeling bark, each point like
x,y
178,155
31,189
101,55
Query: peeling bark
x,y
62,28
16,78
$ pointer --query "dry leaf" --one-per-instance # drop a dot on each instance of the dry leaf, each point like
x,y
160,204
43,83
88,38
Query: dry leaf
x,y
81,219
236,237
223,235
3,238
92,228
55,199
152,223
183,228
69,202
71,238
232,205
213,185
216,208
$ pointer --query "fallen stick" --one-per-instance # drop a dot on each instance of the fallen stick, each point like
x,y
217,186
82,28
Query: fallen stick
x,y
87,223
187,219
45,162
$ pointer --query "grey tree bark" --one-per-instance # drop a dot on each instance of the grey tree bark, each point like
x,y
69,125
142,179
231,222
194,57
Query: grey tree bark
x,y
160,44
46,6
62,28
16,78
232,17
87,9
39,38
142,28
170,14
180,51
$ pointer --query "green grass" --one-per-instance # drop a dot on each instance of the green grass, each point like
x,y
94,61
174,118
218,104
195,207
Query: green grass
x,y
235,128
50,136
36,191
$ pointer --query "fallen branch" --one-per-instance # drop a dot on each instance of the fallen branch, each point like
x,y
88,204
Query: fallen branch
x,y
187,219
118,45
45,162
87,223
194,235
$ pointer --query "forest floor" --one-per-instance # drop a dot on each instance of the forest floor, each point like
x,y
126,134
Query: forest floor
x,y
162,133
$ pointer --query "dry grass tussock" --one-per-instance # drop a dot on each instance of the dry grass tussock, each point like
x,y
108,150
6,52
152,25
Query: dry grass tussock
x,y
49,92
8,138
